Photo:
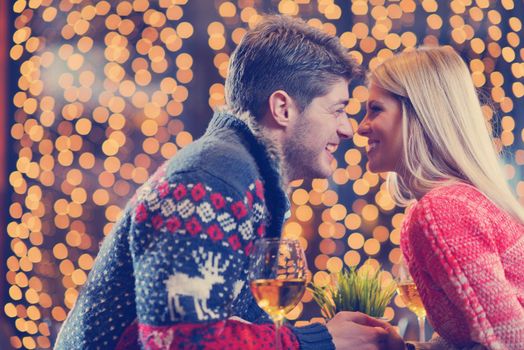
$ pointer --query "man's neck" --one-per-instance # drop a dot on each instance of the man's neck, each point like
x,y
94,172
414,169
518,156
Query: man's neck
x,y
271,139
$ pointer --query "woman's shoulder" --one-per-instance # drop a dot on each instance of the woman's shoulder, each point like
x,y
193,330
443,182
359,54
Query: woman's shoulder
x,y
452,200
452,191
458,193
446,211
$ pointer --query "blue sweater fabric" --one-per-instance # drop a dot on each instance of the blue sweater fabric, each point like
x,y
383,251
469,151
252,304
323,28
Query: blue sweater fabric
x,y
177,259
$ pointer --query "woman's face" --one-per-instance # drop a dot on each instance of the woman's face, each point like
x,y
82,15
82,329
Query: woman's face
x,y
382,125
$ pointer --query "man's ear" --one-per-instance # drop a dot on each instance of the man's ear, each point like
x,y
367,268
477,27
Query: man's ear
x,y
281,108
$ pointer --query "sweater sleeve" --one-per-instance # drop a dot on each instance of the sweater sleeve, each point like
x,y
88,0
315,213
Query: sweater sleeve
x,y
457,267
190,246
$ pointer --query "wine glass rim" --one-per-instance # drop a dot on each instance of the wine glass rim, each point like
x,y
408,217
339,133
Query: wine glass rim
x,y
400,281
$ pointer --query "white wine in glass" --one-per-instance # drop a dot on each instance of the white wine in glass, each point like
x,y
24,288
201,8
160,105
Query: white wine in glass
x,y
277,274
409,294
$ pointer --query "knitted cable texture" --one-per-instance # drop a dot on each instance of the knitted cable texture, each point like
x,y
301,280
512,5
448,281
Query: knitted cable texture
x,y
467,257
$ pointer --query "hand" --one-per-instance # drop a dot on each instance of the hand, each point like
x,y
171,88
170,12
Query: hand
x,y
355,330
394,340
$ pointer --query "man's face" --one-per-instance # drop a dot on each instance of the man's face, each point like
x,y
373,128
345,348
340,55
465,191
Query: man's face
x,y
314,135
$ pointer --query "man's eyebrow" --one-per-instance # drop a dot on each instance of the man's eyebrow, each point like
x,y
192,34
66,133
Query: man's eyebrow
x,y
341,102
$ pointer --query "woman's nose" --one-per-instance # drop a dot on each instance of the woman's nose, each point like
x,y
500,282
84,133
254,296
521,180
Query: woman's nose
x,y
363,127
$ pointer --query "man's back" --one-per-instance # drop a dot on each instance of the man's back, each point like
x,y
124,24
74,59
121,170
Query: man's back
x,y
166,257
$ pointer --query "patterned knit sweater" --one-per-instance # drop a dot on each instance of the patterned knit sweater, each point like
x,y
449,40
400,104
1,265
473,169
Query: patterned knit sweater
x,y
173,273
467,258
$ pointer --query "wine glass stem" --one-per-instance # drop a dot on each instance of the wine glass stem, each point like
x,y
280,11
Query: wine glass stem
x,y
278,324
422,328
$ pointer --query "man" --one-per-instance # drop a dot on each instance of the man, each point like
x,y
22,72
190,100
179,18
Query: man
x,y
174,268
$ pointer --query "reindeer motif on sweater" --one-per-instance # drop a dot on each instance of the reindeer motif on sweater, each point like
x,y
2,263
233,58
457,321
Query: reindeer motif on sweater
x,y
199,288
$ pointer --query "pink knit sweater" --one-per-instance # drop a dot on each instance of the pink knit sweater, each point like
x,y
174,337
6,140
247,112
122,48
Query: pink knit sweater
x,y
467,258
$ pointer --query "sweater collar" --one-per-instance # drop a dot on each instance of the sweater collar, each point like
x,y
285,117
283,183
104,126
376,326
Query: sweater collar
x,y
268,161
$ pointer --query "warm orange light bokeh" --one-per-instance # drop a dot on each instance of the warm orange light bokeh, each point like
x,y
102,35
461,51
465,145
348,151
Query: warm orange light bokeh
x,y
106,92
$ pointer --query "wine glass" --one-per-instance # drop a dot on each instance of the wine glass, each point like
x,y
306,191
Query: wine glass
x,y
409,294
277,275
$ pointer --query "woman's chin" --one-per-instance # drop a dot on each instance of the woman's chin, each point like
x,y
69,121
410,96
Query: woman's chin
x,y
377,168
373,167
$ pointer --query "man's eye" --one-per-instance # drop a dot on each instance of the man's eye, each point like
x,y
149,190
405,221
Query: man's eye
x,y
340,111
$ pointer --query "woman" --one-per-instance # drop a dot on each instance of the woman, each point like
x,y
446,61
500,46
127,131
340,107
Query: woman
x,y
463,237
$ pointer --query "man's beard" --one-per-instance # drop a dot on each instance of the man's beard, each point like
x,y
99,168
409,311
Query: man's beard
x,y
298,161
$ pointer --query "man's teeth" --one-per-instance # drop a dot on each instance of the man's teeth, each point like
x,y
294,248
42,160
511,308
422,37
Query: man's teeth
x,y
331,148
373,145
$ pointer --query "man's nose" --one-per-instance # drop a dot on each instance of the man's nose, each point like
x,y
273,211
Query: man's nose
x,y
345,130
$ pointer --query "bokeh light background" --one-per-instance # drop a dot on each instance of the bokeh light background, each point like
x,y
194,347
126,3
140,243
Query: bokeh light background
x,y
105,92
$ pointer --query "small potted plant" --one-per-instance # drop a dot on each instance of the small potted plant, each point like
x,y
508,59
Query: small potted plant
x,y
354,290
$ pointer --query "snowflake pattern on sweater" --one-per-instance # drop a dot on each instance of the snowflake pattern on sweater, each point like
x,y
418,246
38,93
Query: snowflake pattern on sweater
x,y
198,235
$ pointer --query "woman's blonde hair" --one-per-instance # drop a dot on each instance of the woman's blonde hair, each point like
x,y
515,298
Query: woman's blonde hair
x,y
445,136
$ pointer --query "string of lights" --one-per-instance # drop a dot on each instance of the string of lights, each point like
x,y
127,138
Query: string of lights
x,y
102,98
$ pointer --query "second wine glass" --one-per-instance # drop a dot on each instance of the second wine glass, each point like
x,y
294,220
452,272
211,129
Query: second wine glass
x,y
407,289
277,275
